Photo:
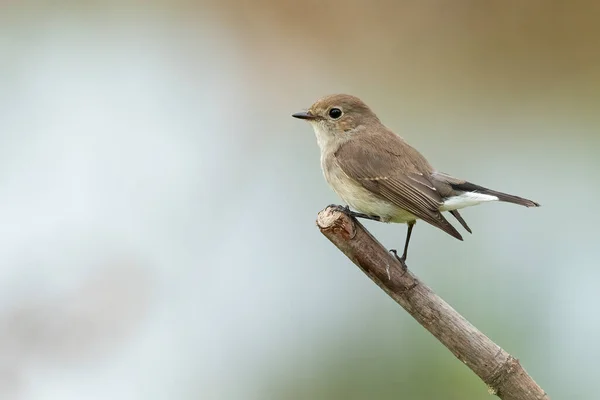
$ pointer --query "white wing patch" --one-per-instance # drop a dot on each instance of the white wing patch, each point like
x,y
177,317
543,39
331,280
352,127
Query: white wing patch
x,y
466,199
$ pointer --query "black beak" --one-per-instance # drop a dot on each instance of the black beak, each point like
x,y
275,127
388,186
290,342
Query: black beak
x,y
304,115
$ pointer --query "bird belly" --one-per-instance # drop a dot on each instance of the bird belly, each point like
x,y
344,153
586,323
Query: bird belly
x,y
364,201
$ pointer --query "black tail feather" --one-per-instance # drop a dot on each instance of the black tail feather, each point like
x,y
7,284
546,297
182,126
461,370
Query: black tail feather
x,y
460,219
509,198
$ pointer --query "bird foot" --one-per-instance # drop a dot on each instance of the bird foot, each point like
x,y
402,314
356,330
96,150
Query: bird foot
x,y
339,208
401,259
346,210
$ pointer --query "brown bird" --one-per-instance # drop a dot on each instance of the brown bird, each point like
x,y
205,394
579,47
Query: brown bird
x,y
382,177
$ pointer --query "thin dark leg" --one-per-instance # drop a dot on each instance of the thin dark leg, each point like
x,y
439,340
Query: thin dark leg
x,y
410,228
346,210
405,253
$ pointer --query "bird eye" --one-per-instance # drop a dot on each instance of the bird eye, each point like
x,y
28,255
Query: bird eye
x,y
335,113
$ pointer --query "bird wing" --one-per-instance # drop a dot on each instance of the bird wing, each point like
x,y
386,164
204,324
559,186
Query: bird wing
x,y
394,177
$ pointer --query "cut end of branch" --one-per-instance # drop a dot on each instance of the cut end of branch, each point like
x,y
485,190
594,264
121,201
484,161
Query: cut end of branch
x,y
334,220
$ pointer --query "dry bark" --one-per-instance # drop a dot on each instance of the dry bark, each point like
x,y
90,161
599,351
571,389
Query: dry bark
x,y
501,372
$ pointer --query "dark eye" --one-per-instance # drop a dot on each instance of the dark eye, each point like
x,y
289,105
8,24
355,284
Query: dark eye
x,y
335,113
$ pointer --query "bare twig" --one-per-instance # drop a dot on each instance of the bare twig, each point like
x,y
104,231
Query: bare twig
x,y
500,371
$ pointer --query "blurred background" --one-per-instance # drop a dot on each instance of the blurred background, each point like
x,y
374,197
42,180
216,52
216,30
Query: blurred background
x,y
158,202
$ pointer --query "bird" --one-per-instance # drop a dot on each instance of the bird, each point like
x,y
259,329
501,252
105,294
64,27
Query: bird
x,y
378,174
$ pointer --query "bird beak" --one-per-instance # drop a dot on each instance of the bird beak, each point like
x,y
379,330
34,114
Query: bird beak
x,y
304,115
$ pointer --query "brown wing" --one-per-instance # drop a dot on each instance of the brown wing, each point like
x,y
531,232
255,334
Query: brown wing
x,y
395,178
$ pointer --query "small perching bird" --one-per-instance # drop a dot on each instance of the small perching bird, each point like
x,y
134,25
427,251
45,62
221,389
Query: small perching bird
x,y
381,176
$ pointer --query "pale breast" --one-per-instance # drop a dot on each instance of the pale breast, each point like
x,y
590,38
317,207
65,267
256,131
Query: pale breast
x,y
359,198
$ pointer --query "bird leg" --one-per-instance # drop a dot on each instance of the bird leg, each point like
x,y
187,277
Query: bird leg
x,y
405,253
346,210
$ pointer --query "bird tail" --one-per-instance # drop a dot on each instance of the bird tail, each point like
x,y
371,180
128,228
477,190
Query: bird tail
x,y
509,198
460,219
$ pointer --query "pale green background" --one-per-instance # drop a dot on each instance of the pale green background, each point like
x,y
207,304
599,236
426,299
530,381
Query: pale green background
x,y
157,201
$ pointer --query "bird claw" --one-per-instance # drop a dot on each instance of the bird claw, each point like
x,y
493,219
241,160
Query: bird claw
x,y
346,210
342,209
401,259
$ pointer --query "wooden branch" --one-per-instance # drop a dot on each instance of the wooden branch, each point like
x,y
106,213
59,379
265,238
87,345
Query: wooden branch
x,y
501,372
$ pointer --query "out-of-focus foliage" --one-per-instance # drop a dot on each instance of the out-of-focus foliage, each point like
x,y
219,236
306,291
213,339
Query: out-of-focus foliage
x,y
157,201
